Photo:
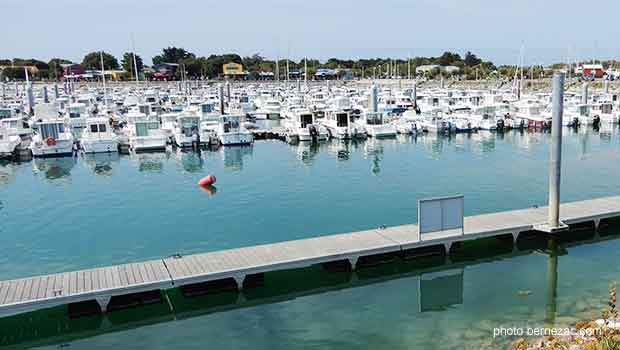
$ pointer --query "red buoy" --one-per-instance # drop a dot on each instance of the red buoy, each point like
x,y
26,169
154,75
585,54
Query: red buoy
x,y
207,180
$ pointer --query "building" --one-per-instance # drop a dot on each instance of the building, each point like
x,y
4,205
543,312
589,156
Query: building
x,y
450,69
233,70
165,71
595,70
72,69
431,67
426,68
262,75
326,73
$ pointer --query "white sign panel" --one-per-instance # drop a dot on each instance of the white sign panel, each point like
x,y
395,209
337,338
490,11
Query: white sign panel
x,y
440,214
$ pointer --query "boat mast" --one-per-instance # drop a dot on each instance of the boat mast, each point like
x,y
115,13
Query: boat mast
x,y
306,71
135,64
409,67
105,95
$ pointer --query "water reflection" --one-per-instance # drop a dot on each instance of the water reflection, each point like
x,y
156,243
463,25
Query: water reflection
x,y
150,162
54,168
8,172
191,161
373,150
233,156
440,290
552,283
210,189
306,151
101,163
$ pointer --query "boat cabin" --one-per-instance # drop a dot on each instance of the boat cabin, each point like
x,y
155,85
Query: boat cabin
x,y
6,113
374,118
50,129
145,127
188,124
97,125
76,110
207,108
342,119
230,123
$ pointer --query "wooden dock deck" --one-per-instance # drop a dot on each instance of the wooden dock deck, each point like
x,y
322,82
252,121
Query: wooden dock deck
x,y
101,284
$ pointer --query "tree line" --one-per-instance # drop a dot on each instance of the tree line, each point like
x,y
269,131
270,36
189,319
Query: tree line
x,y
198,67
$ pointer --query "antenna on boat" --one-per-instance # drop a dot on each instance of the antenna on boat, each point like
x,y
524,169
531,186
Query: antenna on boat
x,y
105,95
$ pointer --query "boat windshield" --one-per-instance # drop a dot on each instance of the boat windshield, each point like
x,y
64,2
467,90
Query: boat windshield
x,y
142,129
207,108
305,119
342,119
374,119
5,113
95,128
51,130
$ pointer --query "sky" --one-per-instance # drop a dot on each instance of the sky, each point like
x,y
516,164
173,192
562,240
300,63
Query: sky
x,y
548,30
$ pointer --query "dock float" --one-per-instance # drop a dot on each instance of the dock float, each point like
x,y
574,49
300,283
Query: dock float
x,y
240,265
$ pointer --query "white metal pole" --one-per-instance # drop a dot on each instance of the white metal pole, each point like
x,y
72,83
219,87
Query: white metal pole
x,y
555,166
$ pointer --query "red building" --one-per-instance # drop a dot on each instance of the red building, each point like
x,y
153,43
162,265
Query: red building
x,y
595,70
73,70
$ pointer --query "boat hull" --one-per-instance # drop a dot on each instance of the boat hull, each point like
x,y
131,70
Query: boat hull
x,y
99,146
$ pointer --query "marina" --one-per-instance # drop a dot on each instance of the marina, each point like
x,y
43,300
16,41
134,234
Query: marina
x,y
150,116
321,175
235,262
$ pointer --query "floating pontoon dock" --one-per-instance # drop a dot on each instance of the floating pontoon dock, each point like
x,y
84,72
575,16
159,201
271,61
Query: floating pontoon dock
x,y
101,284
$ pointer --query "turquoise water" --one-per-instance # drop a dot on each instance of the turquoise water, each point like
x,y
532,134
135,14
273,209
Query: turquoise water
x,y
65,214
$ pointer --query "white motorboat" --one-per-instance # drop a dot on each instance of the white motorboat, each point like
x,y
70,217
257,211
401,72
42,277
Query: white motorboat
x,y
186,126
231,132
340,125
375,125
144,134
51,139
302,124
98,137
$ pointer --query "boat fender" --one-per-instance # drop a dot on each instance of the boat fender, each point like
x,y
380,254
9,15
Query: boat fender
x,y
207,180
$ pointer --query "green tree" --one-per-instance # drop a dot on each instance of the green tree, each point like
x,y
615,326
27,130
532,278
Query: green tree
x,y
449,59
93,61
14,73
471,59
128,64
55,67
172,55
30,62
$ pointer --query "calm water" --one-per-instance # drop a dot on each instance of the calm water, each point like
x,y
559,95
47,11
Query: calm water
x,y
63,214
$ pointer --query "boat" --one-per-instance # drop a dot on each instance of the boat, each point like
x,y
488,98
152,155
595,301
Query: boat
x,y
532,111
434,123
144,134
98,137
76,117
302,125
51,139
408,122
231,132
270,110
375,125
340,125
186,126
14,133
